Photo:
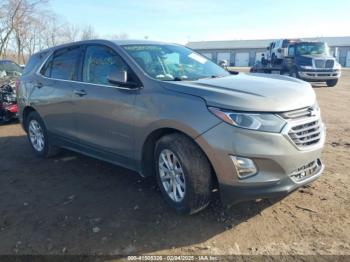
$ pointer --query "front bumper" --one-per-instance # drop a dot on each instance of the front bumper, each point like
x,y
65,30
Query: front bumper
x,y
276,157
319,75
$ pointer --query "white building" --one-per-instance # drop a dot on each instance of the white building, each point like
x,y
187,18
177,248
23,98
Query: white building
x,y
246,52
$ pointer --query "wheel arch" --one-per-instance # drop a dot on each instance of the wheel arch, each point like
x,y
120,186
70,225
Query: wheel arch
x,y
25,113
149,145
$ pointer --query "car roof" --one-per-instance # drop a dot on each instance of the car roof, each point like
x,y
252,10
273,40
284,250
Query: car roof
x,y
310,42
138,42
104,41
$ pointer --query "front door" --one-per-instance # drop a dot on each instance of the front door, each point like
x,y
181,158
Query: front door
x,y
104,112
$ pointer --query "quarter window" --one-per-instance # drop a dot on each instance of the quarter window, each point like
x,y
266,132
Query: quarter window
x,y
63,64
99,63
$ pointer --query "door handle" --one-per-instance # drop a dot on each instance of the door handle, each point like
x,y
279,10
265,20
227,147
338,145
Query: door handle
x,y
80,92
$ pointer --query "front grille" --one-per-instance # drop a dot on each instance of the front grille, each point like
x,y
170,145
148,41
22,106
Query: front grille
x,y
306,171
329,63
307,134
305,126
322,63
296,114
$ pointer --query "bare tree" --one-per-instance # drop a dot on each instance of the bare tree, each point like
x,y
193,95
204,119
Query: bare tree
x,y
88,33
121,36
9,11
25,28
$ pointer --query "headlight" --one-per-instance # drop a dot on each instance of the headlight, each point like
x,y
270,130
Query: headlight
x,y
337,66
254,121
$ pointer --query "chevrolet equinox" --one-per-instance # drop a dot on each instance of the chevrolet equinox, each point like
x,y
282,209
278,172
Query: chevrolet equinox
x,y
164,110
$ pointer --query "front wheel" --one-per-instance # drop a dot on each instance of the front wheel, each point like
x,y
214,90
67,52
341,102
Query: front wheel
x,y
38,137
332,82
183,174
294,73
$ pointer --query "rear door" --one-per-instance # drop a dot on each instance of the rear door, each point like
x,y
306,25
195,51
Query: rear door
x,y
104,112
53,95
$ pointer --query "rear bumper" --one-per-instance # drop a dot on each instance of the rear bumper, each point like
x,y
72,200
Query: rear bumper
x,y
319,75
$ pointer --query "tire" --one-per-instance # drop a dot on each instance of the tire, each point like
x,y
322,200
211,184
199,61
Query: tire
x,y
332,83
294,73
36,131
195,176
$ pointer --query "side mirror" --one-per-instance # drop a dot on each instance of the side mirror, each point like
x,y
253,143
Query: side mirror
x,y
118,77
336,52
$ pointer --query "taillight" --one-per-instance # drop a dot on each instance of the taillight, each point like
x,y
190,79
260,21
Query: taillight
x,y
12,108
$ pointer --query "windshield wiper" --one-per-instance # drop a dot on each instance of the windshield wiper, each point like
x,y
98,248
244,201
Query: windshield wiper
x,y
176,79
209,77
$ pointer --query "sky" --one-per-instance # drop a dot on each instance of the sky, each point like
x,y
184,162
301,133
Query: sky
x,y
182,21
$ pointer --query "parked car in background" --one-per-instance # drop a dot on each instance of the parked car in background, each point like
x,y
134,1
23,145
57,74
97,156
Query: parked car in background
x,y
9,74
9,69
163,110
278,50
309,61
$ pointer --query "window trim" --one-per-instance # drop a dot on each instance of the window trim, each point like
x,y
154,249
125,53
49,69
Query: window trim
x,y
80,68
51,57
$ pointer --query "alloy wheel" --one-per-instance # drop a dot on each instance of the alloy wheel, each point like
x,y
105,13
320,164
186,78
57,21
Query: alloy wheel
x,y
36,135
172,175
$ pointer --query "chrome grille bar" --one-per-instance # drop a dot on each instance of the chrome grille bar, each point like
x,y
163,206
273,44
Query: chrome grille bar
x,y
305,127
306,171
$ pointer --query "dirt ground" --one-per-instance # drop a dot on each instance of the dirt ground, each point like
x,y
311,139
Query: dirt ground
x,y
73,204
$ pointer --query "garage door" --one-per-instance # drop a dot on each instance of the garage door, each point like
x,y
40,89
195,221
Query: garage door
x,y
347,59
224,56
242,59
208,55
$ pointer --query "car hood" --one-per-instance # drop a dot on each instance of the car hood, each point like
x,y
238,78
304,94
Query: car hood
x,y
250,92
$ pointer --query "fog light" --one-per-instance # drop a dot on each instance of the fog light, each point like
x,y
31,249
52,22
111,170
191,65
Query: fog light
x,y
245,167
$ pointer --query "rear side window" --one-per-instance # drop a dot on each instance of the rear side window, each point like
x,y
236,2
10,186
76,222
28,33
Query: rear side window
x,y
63,64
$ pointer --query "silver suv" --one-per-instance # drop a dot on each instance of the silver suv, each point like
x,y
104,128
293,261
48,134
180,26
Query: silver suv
x,y
164,110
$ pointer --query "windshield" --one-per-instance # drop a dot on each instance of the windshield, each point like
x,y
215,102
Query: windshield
x,y
312,49
173,63
8,68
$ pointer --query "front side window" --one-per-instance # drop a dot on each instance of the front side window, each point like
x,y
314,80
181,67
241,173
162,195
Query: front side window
x,y
173,63
99,63
63,64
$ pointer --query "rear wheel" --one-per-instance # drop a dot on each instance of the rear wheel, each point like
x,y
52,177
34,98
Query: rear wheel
x,y
183,174
37,136
332,82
